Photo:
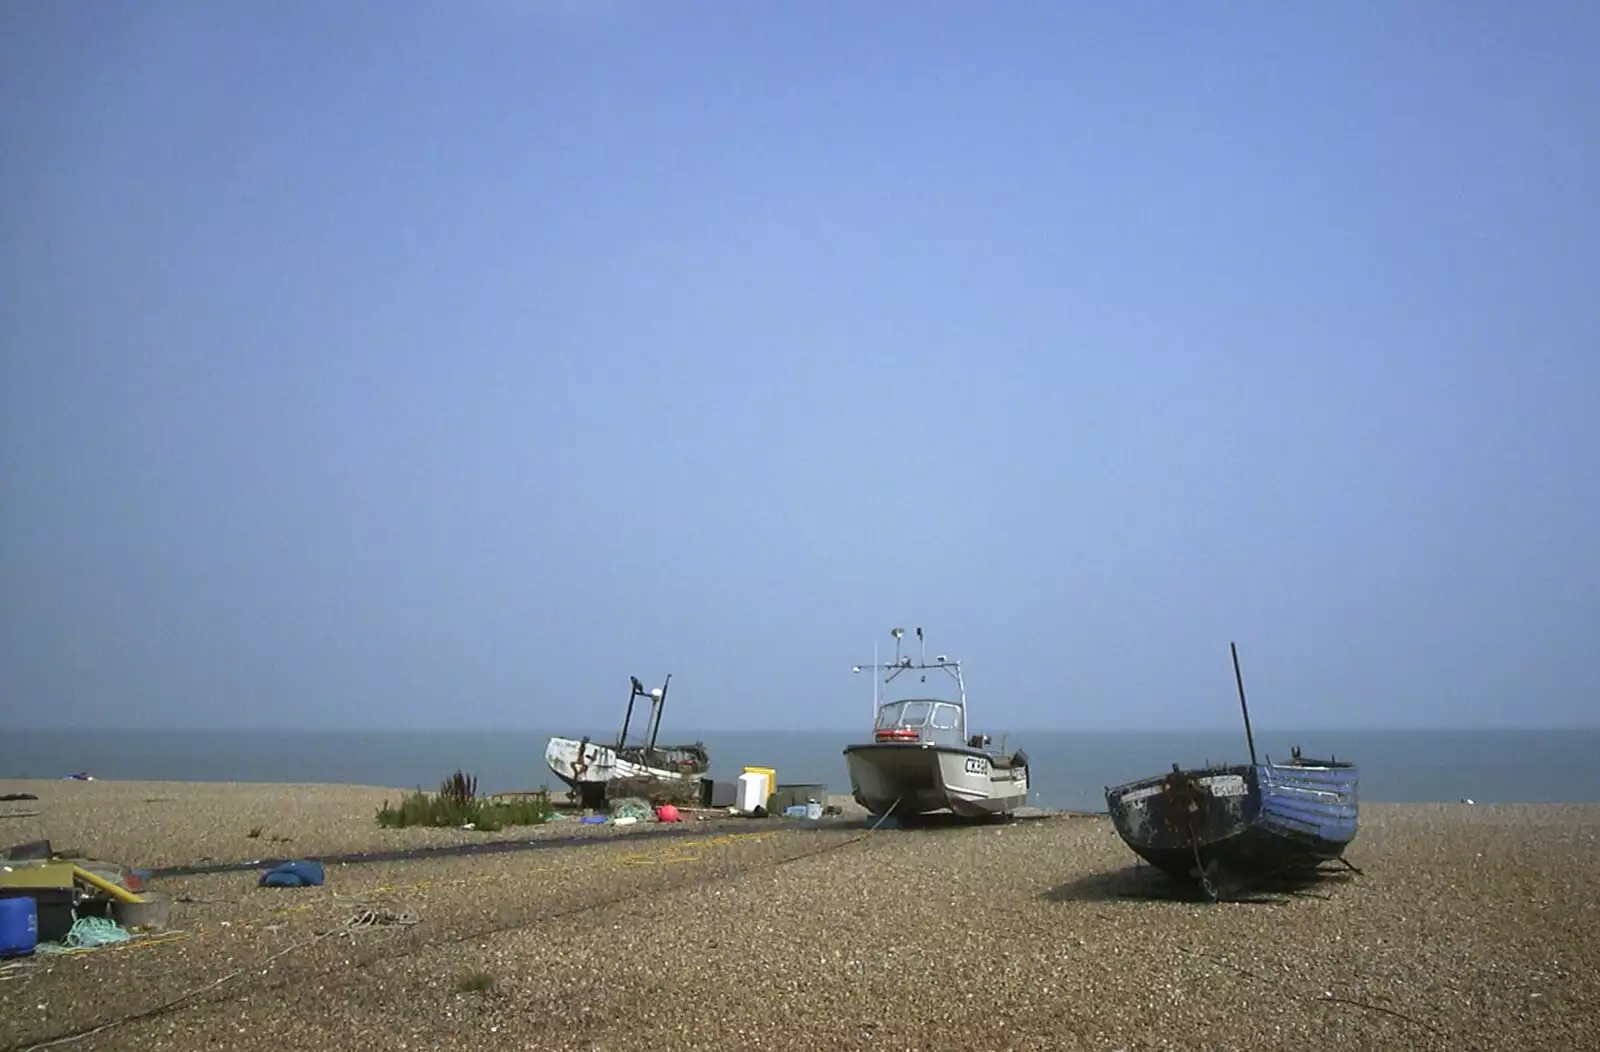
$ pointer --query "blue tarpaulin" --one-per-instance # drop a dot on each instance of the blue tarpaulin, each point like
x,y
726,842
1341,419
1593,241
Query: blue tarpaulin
x,y
296,874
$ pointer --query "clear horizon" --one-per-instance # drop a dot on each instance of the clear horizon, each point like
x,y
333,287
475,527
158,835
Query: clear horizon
x,y
445,363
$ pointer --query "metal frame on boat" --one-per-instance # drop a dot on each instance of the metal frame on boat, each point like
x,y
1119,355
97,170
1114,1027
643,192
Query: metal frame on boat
x,y
921,759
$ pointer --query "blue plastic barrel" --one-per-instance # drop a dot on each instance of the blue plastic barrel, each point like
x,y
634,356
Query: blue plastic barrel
x,y
19,925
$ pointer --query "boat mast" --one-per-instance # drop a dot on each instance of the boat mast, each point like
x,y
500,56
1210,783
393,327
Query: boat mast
x,y
660,703
627,716
1238,678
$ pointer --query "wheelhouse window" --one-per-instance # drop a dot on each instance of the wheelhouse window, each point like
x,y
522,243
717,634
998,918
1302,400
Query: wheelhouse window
x,y
945,717
904,714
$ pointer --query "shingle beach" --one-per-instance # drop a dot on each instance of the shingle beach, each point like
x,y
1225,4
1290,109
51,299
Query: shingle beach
x,y
1471,927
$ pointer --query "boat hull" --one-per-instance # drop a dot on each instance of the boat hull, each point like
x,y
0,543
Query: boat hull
x,y
908,779
589,767
1248,820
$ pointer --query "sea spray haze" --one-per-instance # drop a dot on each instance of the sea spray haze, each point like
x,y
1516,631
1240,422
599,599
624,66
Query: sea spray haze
x,y
1070,770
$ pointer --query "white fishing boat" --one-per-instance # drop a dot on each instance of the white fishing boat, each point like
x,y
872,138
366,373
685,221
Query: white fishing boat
x,y
589,768
921,759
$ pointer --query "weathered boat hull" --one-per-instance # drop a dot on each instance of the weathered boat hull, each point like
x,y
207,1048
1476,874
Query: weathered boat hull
x,y
918,778
1247,820
589,767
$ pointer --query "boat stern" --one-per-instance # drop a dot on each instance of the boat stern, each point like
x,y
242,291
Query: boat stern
x,y
894,778
1312,800
916,778
1181,809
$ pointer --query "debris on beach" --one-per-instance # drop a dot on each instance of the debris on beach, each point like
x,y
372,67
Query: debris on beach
x,y
297,873
678,791
635,808
755,788
58,901
88,933
716,795
380,917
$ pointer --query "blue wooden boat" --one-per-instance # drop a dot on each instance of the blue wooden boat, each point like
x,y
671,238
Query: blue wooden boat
x,y
1245,820
1241,822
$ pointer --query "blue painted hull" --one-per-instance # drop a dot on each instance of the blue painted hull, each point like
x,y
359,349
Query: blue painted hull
x,y
1313,803
1248,820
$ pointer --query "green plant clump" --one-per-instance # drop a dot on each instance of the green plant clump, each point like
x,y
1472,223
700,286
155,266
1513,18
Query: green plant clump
x,y
457,803
475,983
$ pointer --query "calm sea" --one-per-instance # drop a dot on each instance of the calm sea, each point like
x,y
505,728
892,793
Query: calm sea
x,y
1070,769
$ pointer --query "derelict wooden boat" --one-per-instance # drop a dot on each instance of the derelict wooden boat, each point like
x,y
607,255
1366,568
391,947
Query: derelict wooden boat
x,y
589,768
1243,822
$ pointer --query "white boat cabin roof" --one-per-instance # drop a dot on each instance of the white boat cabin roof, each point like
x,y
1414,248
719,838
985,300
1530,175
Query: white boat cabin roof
x,y
940,721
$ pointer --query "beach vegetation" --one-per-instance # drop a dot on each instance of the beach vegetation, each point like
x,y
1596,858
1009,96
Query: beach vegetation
x,y
457,804
475,983
460,789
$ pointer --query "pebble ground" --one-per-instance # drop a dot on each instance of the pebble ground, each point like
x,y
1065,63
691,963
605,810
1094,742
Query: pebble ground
x,y
1471,928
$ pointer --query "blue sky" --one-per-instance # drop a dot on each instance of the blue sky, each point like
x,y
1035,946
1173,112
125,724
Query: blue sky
x,y
444,364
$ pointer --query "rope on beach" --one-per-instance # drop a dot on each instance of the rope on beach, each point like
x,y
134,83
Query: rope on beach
x,y
16,969
1324,998
95,931
367,917
87,933
362,919
829,848
379,916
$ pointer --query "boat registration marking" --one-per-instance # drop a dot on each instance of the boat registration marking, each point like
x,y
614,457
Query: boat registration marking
x,y
977,765
1225,784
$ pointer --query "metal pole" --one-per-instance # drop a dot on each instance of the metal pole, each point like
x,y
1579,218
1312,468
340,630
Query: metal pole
x,y
1238,678
627,717
661,703
874,682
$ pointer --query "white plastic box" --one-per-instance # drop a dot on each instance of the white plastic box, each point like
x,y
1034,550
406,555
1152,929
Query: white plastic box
x,y
752,791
